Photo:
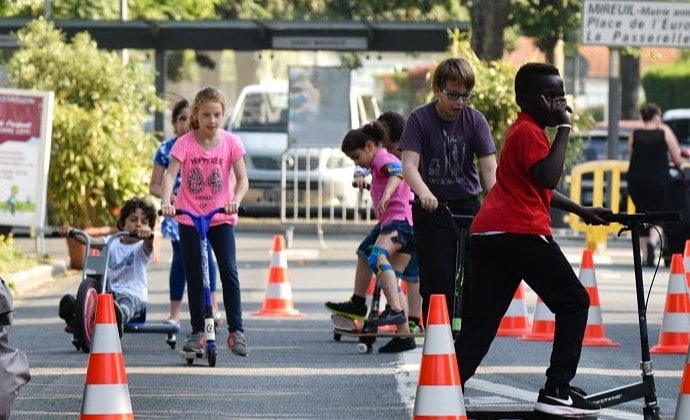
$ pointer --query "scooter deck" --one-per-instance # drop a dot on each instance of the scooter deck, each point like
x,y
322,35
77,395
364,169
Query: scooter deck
x,y
150,327
515,413
358,333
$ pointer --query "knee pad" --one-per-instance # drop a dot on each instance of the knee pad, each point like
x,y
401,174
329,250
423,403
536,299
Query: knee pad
x,y
378,260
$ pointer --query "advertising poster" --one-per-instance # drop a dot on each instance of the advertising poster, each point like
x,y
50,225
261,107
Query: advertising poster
x,y
319,104
25,134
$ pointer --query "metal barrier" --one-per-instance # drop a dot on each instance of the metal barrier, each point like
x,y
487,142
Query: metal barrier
x,y
316,188
588,186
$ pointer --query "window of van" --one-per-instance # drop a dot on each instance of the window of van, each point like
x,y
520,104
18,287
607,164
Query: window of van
x,y
263,112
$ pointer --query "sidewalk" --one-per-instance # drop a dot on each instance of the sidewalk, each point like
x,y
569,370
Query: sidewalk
x,y
336,243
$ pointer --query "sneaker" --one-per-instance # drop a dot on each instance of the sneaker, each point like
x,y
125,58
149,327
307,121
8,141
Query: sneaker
x,y
194,343
120,317
398,344
237,343
66,311
564,402
389,317
414,328
348,309
172,321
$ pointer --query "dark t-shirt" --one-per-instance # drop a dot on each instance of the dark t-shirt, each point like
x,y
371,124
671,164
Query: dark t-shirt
x,y
447,150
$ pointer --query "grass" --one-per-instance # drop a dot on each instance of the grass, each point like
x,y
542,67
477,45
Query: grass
x,y
12,259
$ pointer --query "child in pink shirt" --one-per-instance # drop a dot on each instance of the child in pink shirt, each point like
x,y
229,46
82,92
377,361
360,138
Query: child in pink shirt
x,y
214,175
388,246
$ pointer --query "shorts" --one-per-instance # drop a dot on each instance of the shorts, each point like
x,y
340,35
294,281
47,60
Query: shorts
x,y
405,237
411,273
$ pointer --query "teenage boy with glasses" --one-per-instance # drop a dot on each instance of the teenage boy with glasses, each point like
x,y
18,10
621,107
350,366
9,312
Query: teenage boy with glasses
x,y
439,145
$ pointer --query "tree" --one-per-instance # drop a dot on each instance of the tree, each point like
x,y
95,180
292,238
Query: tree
x,y
100,155
489,19
550,22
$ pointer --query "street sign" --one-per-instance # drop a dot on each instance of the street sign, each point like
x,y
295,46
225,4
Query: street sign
x,y
636,23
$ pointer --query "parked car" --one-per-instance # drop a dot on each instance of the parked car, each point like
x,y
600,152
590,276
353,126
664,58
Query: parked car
x,y
679,121
595,144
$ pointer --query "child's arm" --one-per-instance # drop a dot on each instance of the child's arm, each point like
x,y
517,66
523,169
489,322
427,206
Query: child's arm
x,y
391,186
169,176
64,231
146,234
548,171
241,185
591,215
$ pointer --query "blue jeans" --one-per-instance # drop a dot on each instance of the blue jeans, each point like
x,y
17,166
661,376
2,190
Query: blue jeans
x,y
222,239
177,279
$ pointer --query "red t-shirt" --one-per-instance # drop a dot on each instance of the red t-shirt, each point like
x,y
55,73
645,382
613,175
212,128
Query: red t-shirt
x,y
517,203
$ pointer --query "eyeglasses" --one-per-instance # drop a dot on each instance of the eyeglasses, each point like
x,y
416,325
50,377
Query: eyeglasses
x,y
454,96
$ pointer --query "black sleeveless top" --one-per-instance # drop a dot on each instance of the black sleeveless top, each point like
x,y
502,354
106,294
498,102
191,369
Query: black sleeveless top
x,y
649,159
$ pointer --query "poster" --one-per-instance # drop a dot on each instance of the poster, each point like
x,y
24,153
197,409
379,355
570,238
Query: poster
x,y
319,104
25,135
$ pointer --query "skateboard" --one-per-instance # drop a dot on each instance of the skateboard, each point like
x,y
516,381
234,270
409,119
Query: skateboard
x,y
367,335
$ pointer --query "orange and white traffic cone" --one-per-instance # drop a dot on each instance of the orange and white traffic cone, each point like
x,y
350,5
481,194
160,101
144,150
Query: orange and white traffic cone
x,y
106,393
278,301
683,405
594,333
686,261
543,324
675,328
515,322
439,393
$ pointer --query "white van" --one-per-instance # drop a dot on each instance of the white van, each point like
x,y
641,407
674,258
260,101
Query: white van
x,y
260,118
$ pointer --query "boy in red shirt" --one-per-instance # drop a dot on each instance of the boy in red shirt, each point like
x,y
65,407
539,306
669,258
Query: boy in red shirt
x,y
513,226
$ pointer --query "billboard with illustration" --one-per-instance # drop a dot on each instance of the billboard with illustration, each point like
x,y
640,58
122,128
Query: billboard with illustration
x,y
25,134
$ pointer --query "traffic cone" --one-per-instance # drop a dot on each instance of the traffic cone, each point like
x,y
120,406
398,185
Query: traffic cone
x,y
675,328
594,333
278,300
543,324
683,405
106,394
439,394
515,322
686,261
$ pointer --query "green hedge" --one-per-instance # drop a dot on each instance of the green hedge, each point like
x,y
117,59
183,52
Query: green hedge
x,y
669,85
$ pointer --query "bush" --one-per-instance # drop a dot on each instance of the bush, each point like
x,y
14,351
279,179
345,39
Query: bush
x,y
100,155
668,85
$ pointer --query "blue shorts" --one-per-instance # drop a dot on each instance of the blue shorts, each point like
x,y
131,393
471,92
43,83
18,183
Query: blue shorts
x,y
405,237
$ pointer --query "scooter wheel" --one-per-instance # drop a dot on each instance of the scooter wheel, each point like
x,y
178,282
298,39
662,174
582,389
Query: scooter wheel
x,y
337,336
363,348
190,361
212,355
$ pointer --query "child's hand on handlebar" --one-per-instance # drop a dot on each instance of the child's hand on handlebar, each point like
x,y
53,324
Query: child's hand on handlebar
x,y
167,209
64,230
144,232
595,215
428,202
232,207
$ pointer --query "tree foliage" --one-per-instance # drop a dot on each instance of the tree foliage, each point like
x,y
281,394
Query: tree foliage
x,y
548,21
100,155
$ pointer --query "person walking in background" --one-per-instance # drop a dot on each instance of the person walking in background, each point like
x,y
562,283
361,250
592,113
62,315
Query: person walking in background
x,y
511,241
649,180
211,161
169,227
439,145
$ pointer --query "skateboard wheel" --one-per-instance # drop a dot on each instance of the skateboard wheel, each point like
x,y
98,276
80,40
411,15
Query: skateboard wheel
x,y
189,361
363,348
336,336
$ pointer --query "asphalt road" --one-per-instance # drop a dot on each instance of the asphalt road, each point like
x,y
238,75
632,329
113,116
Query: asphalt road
x,y
296,370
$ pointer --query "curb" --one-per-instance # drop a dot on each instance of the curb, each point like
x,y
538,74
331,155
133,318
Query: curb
x,y
25,282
